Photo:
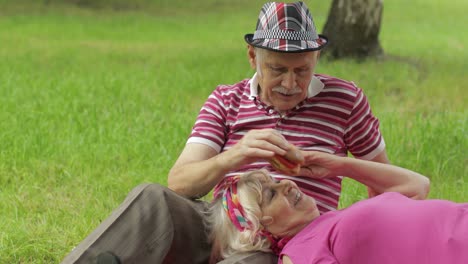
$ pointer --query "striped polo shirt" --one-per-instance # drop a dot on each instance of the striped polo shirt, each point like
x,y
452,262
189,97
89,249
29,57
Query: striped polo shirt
x,y
335,118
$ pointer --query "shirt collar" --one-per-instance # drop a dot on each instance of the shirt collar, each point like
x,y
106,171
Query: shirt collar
x,y
315,86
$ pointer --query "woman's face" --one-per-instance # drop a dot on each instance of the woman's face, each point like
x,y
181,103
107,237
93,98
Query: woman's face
x,y
286,210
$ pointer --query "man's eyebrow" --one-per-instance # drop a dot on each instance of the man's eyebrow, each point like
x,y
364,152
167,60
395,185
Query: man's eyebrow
x,y
307,67
275,66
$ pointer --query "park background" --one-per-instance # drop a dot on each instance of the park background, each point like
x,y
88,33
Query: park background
x,y
99,96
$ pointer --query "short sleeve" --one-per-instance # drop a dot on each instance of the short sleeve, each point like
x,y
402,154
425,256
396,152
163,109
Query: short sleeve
x,y
308,248
362,136
210,125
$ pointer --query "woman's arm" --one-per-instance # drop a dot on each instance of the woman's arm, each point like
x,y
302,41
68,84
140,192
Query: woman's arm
x,y
286,260
328,260
377,176
382,158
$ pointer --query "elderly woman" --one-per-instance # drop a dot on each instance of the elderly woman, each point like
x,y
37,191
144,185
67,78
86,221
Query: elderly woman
x,y
259,213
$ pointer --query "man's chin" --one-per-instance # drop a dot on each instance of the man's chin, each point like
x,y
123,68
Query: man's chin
x,y
286,103
285,107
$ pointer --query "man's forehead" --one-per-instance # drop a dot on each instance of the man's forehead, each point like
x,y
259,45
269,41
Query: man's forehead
x,y
288,55
289,61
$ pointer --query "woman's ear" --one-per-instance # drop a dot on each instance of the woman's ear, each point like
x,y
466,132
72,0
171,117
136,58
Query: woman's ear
x,y
251,56
266,221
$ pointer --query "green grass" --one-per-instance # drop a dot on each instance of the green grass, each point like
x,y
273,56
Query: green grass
x,y
96,101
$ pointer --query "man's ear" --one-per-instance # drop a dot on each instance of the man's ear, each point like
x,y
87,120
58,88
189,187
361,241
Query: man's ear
x,y
266,221
251,56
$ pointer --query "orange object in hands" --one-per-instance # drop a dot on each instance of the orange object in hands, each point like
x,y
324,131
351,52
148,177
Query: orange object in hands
x,y
290,163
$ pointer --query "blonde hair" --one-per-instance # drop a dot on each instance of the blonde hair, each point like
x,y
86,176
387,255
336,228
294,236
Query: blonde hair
x,y
226,238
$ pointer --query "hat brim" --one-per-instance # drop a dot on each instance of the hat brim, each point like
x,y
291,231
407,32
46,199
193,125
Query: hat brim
x,y
289,46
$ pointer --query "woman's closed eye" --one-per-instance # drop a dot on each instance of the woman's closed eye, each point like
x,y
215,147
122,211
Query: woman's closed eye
x,y
269,191
272,190
272,194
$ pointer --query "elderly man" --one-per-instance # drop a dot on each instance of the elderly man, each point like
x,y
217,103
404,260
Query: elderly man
x,y
239,128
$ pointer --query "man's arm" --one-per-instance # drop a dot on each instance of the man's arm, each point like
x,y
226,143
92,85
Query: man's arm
x,y
196,160
377,176
199,167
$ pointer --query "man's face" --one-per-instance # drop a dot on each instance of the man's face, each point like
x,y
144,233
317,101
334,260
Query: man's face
x,y
284,77
285,209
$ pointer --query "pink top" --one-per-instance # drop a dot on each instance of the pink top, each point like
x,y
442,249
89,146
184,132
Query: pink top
x,y
335,118
389,228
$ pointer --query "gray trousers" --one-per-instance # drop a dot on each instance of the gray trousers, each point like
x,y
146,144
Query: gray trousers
x,y
155,225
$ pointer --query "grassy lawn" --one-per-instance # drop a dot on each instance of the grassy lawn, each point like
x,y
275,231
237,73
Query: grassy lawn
x,y
96,101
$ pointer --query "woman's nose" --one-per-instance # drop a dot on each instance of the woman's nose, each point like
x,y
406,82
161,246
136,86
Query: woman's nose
x,y
285,186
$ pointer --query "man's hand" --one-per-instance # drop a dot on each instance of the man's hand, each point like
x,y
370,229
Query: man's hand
x,y
199,167
256,145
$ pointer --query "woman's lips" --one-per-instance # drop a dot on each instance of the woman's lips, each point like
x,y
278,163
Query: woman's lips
x,y
298,197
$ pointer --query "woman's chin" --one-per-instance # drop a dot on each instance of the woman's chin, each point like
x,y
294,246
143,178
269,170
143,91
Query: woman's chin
x,y
312,208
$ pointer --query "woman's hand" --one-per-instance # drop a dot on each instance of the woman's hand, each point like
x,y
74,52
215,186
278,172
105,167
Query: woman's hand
x,y
319,165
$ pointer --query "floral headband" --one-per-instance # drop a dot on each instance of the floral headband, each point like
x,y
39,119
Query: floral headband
x,y
231,205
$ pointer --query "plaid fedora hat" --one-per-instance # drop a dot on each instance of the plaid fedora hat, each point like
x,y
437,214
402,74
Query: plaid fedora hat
x,y
286,27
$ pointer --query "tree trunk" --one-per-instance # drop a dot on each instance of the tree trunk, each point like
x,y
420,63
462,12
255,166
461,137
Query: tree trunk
x,y
353,29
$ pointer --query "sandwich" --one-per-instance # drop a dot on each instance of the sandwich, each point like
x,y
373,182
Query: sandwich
x,y
290,163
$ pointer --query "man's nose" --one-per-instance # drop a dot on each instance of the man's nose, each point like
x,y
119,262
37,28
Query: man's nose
x,y
289,80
